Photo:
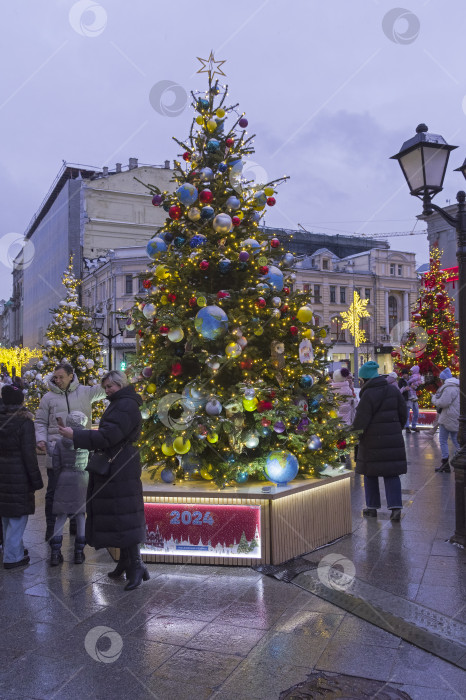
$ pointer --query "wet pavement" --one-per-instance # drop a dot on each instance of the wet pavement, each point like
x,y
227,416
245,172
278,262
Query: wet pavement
x,y
195,632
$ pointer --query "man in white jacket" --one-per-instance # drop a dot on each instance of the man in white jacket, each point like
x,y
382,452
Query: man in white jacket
x,y
65,394
447,402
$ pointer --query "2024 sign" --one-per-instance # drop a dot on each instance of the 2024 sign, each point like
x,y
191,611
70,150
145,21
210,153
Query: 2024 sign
x,y
186,517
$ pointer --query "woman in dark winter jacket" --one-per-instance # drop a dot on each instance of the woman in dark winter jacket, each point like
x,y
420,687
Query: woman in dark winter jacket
x,y
380,415
115,506
19,474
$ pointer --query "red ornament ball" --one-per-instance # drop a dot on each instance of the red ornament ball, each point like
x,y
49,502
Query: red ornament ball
x,y
394,353
171,297
223,295
204,264
271,201
263,269
264,406
164,330
246,364
260,302
147,284
286,290
235,220
341,444
177,369
265,422
229,142
275,243
192,302
206,196
174,212
140,333
284,309
293,330
186,155
157,200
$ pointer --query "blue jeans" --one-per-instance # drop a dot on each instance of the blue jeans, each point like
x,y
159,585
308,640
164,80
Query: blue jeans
x,y
443,434
13,531
392,491
414,406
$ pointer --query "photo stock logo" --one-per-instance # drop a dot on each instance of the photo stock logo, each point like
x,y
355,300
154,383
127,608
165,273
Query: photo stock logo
x,y
16,252
88,18
401,26
175,411
103,644
247,174
336,571
168,98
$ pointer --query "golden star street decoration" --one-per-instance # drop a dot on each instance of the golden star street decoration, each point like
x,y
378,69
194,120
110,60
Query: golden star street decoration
x,y
351,318
211,66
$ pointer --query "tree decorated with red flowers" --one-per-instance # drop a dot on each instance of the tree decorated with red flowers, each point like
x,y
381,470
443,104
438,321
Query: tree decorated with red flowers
x,y
231,366
432,340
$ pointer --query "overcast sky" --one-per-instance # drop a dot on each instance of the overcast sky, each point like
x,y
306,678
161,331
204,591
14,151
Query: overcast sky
x,y
331,90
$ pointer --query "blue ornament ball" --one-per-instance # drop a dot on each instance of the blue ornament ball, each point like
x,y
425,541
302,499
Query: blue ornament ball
x,y
156,247
241,477
202,104
187,194
281,467
179,241
197,240
211,322
222,167
207,213
213,145
224,266
314,443
274,278
306,381
167,475
168,237
166,205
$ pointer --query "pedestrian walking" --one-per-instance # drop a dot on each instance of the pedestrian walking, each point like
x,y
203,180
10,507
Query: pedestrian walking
x,y
115,506
69,499
408,384
65,394
447,403
19,475
341,387
380,416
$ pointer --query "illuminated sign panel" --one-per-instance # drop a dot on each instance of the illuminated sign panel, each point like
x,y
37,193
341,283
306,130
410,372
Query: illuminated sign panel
x,y
180,529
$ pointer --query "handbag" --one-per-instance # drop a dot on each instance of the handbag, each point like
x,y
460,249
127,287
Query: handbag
x,y
100,463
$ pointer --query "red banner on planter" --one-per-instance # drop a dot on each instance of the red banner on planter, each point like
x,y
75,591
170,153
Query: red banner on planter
x,y
202,530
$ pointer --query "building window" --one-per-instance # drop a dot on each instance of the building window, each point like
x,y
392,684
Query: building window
x,y
128,284
306,287
365,326
316,320
333,294
358,290
392,313
317,298
325,264
367,294
342,295
130,334
337,335
400,270
392,268
141,289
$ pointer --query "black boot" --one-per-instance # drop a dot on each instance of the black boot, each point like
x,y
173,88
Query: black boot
x,y
123,564
136,570
56,557
79,544
444,466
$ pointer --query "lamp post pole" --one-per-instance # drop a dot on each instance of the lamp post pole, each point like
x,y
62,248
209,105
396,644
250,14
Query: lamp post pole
x,y
423,160
98,324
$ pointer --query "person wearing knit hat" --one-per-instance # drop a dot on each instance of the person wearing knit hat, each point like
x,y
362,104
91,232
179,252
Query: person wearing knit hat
x,y
392,378
447,402
19,474
342,388
380,417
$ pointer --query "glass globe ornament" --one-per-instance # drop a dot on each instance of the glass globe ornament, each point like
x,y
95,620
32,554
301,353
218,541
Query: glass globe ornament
x,y
167,475
213,407
241,476
213,145
274,278
314,443
194,214
222,223
187,194
175,335
233,350
306,381
233,203
251,439
252,244
149,311
195,396
207,213
211,322
206,175
281,467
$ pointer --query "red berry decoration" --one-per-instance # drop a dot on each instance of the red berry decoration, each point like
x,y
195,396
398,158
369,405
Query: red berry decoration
x,y
229,142
235,220
204,264
147,284
271,201
263,269
206,196
171,297
174,212
286,290
187,155
192,302
177,369
243,122
293,330
163,330
275,243
341,444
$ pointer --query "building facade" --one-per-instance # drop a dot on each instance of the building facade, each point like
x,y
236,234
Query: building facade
x,y
386,278
85,213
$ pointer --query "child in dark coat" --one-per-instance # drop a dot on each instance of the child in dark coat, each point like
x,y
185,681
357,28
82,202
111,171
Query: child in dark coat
x,y
19,474
69,500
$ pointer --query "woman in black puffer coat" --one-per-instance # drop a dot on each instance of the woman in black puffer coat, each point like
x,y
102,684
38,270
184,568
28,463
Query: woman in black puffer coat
x,y
380,415
19,474
115,506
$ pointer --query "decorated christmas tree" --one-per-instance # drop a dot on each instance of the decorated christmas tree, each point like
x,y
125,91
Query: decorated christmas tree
x,y
231,366
69,338
432,340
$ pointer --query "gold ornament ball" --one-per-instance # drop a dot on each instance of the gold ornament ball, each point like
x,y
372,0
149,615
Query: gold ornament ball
x,y
200,120
205,473
151,388
181,446
323,333
333,414
250,404
220,113
304,314
167,450
211,125
212,437
161,272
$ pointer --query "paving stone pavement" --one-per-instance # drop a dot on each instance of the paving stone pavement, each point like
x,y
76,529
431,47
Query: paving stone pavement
x,y
195,632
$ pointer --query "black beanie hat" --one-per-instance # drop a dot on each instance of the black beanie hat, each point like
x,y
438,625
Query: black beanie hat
x,y
11,395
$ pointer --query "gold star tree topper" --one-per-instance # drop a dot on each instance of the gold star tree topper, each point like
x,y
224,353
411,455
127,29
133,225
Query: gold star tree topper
x,y
211,66
351,318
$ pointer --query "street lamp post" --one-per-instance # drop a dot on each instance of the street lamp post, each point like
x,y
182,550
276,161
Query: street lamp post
x,y
98,322
423,160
